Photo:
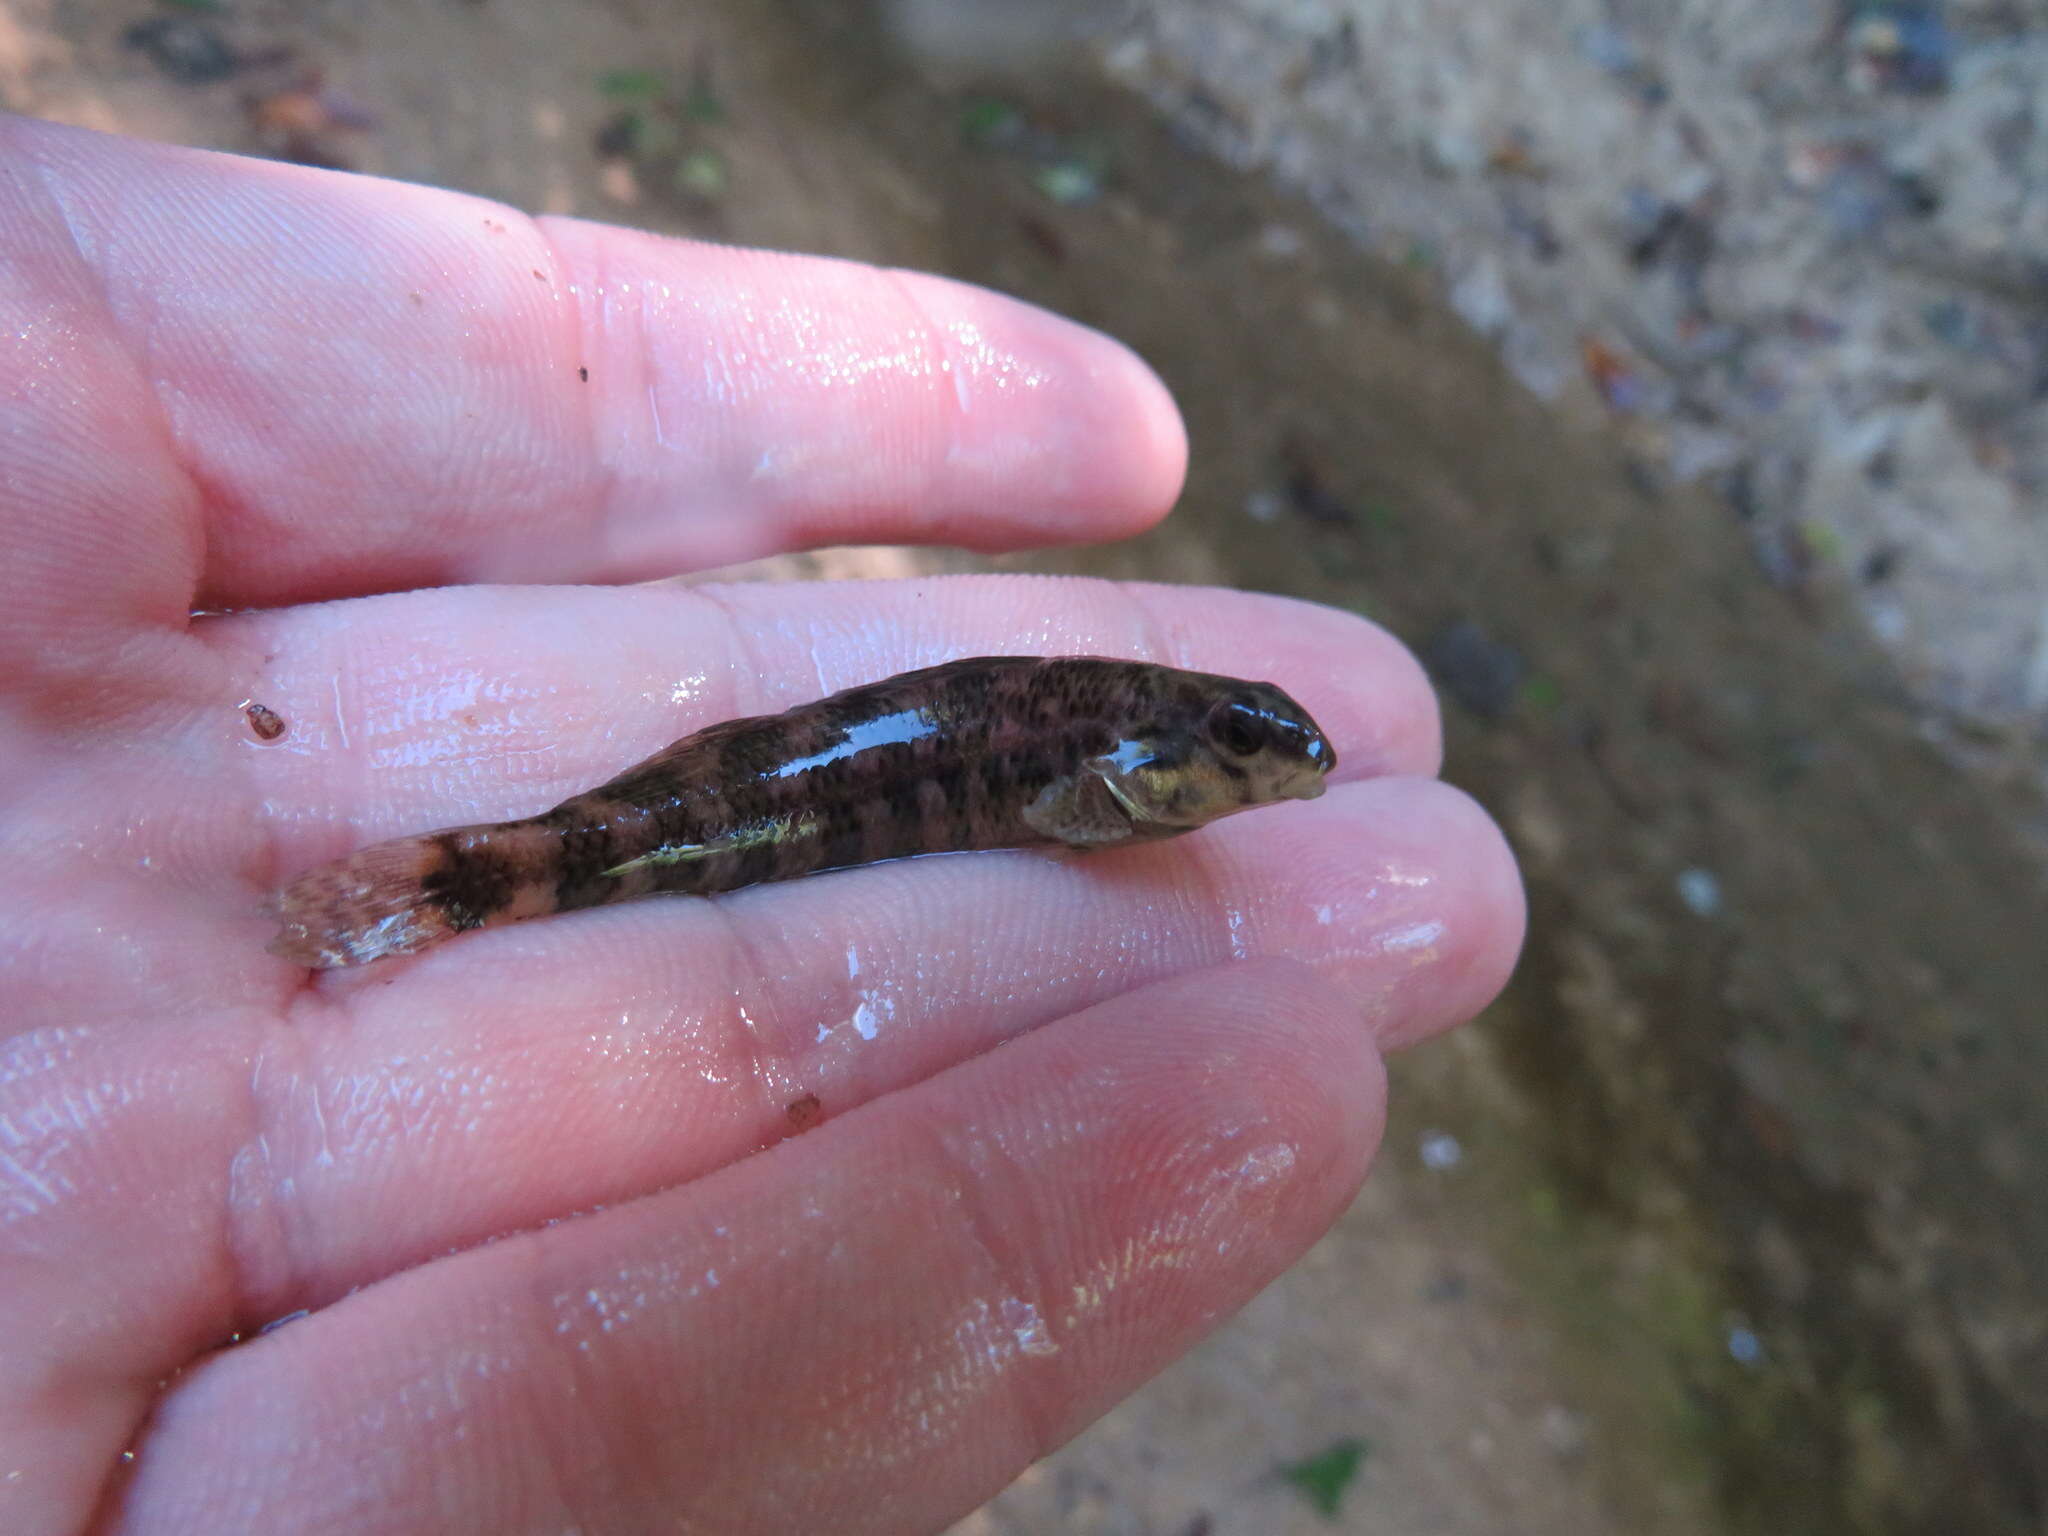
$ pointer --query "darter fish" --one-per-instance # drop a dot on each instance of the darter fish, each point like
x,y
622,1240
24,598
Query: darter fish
x,y
994,752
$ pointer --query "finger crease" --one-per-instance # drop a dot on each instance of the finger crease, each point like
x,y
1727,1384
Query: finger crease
x,y
1006,1299
952,389
601,476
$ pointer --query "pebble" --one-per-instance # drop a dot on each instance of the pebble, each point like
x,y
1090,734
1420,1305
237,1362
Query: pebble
x,y
1700,891
1440,1151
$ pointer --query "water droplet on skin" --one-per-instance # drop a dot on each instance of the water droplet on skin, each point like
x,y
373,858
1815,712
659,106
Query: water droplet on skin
x,y
866,1021
1418,939
1267,1165
1027,1328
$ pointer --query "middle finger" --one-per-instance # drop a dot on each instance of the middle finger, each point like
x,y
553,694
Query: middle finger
x,y
518,1073
559,1066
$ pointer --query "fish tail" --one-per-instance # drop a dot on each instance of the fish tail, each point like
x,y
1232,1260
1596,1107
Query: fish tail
x,y
396,897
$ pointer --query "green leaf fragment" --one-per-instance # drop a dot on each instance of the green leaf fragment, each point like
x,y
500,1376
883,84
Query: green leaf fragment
x,y
1068,182
1825,543
654,134
986,119
702,174
703,106
1323,1478
629,84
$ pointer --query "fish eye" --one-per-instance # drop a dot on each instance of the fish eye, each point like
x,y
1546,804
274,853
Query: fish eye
x,y
1238,729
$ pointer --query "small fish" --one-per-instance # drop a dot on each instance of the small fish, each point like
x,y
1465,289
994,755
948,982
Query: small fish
x,y
994,752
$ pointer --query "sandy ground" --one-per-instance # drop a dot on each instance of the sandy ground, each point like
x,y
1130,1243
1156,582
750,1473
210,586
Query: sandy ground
x,y
1726,1218
1805,240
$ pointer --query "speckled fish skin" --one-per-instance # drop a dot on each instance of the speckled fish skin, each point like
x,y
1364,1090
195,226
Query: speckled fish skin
x,y
993,752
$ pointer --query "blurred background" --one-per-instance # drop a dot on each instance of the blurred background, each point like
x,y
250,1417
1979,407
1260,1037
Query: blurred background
x,y
1673,376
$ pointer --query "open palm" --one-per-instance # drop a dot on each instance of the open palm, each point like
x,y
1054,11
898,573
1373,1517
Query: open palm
x,y
510,1197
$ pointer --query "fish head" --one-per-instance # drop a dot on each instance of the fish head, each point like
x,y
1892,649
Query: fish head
x,y
1237,746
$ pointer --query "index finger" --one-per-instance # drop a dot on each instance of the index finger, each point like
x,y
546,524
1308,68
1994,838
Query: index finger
x,y
343,385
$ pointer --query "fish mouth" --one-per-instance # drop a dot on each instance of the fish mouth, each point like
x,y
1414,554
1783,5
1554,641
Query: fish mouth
x,y
1308,784
1322,757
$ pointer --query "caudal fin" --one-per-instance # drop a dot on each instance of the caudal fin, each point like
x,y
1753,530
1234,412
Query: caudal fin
x,y
372,904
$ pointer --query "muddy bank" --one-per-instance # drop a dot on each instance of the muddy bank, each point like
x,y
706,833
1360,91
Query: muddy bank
x,y
1801,246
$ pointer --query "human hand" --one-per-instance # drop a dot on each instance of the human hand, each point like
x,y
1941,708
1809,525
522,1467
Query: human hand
x,y
550,1280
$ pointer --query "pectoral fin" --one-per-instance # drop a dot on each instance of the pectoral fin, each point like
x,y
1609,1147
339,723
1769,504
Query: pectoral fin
x,y
1082,810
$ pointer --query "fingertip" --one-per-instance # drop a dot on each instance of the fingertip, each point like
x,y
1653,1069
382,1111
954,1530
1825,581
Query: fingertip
x,y
1467,929
1398,728
1060,411
1494,877
1253,1075
1399,890
1155,458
